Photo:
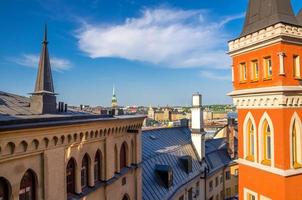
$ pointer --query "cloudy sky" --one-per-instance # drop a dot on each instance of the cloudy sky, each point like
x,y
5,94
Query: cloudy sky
x,y
155,52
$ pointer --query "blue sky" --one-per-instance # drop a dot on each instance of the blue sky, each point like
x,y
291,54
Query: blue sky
x,y
155,52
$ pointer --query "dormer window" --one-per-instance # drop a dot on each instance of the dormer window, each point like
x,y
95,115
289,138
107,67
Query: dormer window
x,y
165,173
186,162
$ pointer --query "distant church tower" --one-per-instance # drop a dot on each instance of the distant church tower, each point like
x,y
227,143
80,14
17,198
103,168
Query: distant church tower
x,y
114,99
43,99
267,78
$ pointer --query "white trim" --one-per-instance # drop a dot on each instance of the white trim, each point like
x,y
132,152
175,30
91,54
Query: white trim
x,y
256,39
295,118
246,192
273,170
266,90
248,117
262,197
265,117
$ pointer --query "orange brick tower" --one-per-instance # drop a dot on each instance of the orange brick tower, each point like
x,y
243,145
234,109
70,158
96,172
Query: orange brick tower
x,y
268,94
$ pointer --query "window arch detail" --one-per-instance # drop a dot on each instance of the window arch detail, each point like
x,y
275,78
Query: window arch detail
x,y
5,189
28,186
70,176
295,142
266,140
123,155
250,138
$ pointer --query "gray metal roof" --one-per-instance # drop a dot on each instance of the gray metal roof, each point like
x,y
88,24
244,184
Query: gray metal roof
x,y
217,155
166,146
261,14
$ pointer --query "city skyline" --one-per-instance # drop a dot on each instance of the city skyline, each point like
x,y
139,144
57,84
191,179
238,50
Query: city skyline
x,y
122,43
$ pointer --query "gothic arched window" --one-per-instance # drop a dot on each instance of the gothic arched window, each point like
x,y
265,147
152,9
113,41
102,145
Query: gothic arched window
x,y
123,156
27,186
4,189
97,166
70,176
84,171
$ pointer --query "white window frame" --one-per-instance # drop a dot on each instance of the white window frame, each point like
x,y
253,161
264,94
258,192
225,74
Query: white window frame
x,y
246,192
248,117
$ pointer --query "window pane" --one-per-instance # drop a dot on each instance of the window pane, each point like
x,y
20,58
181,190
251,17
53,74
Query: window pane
x,y
268,142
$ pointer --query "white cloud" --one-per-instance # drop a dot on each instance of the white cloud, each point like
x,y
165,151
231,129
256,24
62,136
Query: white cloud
x,y
214,76
169,37
32,60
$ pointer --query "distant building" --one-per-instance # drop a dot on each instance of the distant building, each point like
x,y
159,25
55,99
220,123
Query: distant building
x,y
266,74
52,153
166,114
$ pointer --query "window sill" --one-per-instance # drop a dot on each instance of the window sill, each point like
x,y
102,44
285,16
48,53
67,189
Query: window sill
x,y
242,82
250,158
267,79
266,162
254,81
297,166
298,78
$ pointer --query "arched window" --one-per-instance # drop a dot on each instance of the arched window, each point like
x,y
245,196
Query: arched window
x,y
250,141
126,197
84,171
132,152
70,176
97,166
123,156
27,186
296,146
115,159
4,189
267,144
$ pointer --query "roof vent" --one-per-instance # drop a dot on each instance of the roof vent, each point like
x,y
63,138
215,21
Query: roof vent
x,y
152,137
186,162
165,173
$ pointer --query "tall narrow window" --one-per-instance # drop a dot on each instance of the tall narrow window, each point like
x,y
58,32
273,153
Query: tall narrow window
x,y
4,190
268,70
296,61
267,154
250,141
255,70
296,147
27,186
97,166
70,176
84,171
251,197
243,72
123,156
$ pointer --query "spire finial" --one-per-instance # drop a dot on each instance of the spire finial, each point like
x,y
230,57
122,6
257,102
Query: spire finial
x,y
113,90
45,34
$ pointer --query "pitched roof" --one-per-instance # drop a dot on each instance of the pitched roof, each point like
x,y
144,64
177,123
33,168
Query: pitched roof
x,y
299,17
261,14
166,146
216,154
44,82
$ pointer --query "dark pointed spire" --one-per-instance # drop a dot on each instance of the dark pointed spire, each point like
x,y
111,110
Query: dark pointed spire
x,y
44,81
261,14
43,99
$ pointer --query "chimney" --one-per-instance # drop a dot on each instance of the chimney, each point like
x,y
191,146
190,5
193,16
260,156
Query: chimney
x,y
230,137
197,131
43,99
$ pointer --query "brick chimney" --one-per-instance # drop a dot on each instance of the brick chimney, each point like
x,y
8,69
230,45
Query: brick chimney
x,y
231,137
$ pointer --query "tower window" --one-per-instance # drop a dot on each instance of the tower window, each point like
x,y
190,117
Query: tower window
x,y
27,186
267,143
255,70
243,72
296,66
296,146
268,70
250,141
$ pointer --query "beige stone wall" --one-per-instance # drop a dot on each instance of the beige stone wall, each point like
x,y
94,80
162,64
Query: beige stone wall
x,y
46,151
216,190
